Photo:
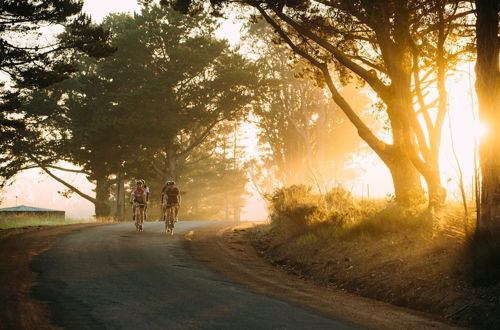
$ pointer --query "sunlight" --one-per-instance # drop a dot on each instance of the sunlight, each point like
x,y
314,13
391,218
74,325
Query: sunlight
x,y
99,9
481,130
465,132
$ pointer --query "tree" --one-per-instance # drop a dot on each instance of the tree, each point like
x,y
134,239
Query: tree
x,y
72,121
187,80
296,119
488,92
393,47
214,177
148,104
26,63
28,66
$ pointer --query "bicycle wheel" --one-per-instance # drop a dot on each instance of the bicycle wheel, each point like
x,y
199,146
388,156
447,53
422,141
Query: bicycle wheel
x,y
165,218
136,216
141,219
170,221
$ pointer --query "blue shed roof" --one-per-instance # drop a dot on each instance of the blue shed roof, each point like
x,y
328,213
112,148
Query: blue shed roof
x,y
24,208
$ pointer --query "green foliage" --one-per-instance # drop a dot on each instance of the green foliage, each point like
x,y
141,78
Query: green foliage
x,y
29,62
214,184
144,111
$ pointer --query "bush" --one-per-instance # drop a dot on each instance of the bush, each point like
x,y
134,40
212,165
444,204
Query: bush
x,y
296,210
339,199
292,209
392,218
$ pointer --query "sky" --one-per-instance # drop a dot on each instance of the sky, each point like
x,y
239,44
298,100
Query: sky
x,y
98,9
34,188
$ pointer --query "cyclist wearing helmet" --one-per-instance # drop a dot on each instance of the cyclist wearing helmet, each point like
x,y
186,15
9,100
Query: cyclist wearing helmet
x,y
171,197
138,199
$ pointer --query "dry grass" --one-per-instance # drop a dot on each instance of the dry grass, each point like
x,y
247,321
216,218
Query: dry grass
x,y
383,251
18,221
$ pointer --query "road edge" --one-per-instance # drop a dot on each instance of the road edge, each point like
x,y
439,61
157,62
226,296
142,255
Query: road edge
x,y
224,248
18,308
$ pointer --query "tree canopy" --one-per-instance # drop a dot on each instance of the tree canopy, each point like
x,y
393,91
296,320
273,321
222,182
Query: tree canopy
x,y
400,49
140,112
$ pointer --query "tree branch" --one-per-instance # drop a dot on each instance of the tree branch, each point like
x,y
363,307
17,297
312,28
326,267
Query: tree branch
x,y
364,132
71,187
378,86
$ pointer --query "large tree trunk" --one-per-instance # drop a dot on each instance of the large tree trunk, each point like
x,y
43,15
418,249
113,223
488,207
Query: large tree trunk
x,y
437,193
405,177
120,197
171,161
488,92
102,194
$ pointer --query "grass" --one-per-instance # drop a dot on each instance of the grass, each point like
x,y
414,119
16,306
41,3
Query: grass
x,y
384,251
17,222
337,215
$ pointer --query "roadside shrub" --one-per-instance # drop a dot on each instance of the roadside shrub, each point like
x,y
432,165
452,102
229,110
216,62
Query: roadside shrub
x,y
393,218
339,199
293,208
296,210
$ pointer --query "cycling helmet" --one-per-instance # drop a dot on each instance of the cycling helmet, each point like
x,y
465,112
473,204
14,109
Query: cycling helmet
x,y
143,181
169,183
138,182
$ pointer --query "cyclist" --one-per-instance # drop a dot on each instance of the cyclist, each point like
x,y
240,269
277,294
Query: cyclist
x,y
171,197
146,189
138,199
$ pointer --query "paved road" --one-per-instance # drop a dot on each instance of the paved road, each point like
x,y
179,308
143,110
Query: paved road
x,y
110,277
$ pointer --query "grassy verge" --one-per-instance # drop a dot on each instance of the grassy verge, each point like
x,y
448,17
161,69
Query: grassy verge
x,y
16,222
380,250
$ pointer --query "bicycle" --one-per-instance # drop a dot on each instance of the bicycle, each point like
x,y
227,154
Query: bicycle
x,y
139,216
169,217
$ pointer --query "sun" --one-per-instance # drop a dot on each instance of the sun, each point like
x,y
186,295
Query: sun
x,y
481,130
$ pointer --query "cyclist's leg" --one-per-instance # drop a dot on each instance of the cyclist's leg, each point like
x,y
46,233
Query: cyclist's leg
x,y
177,207
171,219
133,212
166,215
136,216
142,215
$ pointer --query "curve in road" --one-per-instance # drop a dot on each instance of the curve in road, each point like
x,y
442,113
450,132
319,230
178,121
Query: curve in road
x,y
110,277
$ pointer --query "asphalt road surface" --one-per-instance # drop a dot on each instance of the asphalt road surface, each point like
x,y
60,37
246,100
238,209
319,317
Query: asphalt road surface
x,y
110,277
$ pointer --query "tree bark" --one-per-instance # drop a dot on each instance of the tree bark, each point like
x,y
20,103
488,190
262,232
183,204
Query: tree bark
x,y
405,177
437,193
488,92
171,160
102,193
120,197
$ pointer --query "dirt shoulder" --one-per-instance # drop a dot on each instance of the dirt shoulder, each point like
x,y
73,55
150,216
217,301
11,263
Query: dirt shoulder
x,y
229,250
406,268
18,310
